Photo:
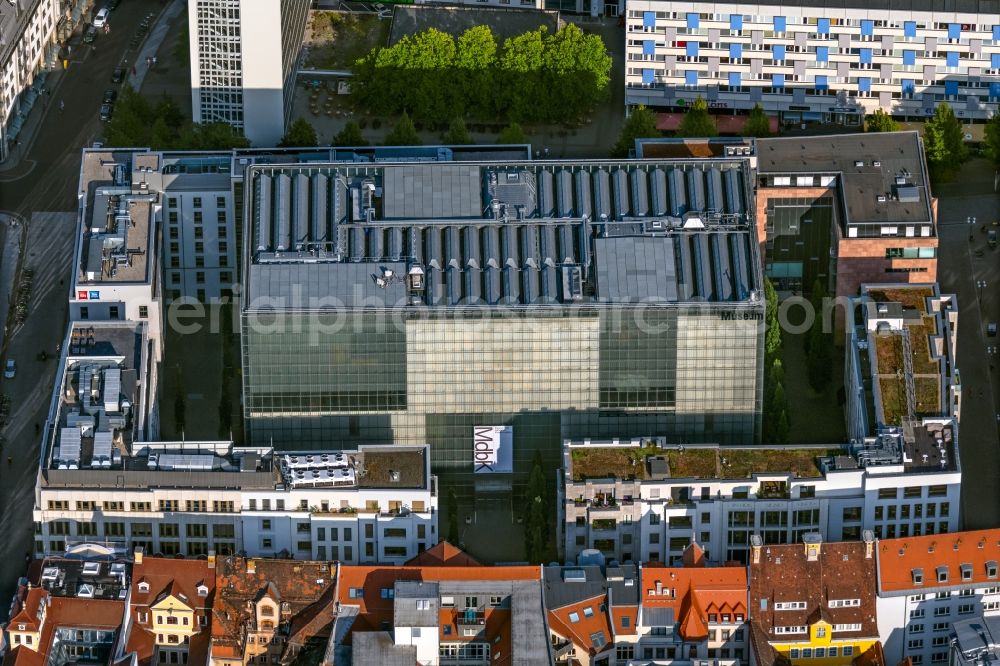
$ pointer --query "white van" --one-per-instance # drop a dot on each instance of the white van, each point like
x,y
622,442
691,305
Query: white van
x,y
101,19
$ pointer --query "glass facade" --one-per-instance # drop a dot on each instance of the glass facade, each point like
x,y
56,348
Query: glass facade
x,y
799,237
689,372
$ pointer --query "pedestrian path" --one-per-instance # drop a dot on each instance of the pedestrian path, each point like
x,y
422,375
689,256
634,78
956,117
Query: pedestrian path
x,y
146,57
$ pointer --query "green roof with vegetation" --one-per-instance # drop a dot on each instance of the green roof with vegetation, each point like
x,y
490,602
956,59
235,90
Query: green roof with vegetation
x,y
628,463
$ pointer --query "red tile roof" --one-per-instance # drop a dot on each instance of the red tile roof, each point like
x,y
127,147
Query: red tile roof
x,y
585,626
897,558
443,554
28,613
694,593
785,574
68,612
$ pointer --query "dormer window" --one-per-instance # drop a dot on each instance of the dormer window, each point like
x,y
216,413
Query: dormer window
x,y
966,570
202,590
942,574
143,586
21,627
918,576
991,569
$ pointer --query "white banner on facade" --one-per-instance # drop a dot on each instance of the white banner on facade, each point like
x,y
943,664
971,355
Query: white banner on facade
x,y
493,449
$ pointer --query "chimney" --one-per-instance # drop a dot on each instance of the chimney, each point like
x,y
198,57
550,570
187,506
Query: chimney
x,y
659,588
211,559
137,555
251,567
869,539
755,545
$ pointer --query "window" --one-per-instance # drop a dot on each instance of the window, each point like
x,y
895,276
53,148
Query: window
x,y
844,603
820,633
848,650
941,611
143,312
916,613
966,609
916,628
84,312
789,605
915,644
574,617
113,313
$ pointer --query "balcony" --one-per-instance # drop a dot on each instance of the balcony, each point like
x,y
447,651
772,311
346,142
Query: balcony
x,y
471,617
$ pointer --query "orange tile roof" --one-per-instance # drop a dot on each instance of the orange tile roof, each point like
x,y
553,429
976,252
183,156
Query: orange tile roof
x,y
694,593
28,614
23,656
443,554
580,631
69,612
897,558
617,613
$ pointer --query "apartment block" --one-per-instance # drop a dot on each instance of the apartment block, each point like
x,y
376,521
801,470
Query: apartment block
x,y
642,500
900,365
377,504
246,84
845,210
813,602
27,46
813,61
928,586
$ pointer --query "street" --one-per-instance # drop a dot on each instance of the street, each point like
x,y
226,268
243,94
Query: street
x,y
968,276
46,180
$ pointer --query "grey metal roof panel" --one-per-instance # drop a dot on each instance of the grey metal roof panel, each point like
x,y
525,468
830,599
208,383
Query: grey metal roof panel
x,y
584,206
566,244
511,286
546,194
416,244
602,194
472,252
508,246
319,220
550,284
529,246
734,191
348,283
584,233
658,192
377,647
696,190
739,251
491,285
340,201
530,290
714,194
655,616
619,182
300,201
453,279
564,192
395,249
264,239
640,193
722,266
358,244
435,288
702,267
560,592
685,270
435,255
634,269
549,251
528,635
443,192
453,247
491,247
677,189
473,285
342,249
283,213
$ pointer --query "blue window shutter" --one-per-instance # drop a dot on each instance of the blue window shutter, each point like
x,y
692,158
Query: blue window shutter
x,y
952,59
909,57
779,23
823,26
691,78
867,28
866,56
951,87
647,76
648,47
996,33
692,21
995,90
910,29
692,49
735,50
735,79
995,61
822,53
907,86
778,80
954,31
821,83
864,84
778,51
736,22
649,19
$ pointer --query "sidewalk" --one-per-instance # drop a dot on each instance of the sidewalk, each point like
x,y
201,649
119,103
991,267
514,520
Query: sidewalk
x,y
152,43
12,167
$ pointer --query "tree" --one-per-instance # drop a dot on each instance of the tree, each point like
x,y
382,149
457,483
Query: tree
x,y
536,522
991,139
512,134
772,339
475,67
641,124
781,428
819,363
453,534
697,122
944,143
300,134
349,135
816,302
457,133
880,121
758,124
403,134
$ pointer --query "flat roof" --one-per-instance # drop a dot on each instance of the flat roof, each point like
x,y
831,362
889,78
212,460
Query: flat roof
x,y
937,6
488,234
889,165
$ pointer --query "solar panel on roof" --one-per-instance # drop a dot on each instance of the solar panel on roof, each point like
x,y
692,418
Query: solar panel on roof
x,y
69,445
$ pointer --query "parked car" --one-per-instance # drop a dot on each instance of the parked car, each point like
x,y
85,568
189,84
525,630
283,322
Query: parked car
x,y
10,369
101,19
89,35
110,95
106,111
991,329
992,239
119,75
